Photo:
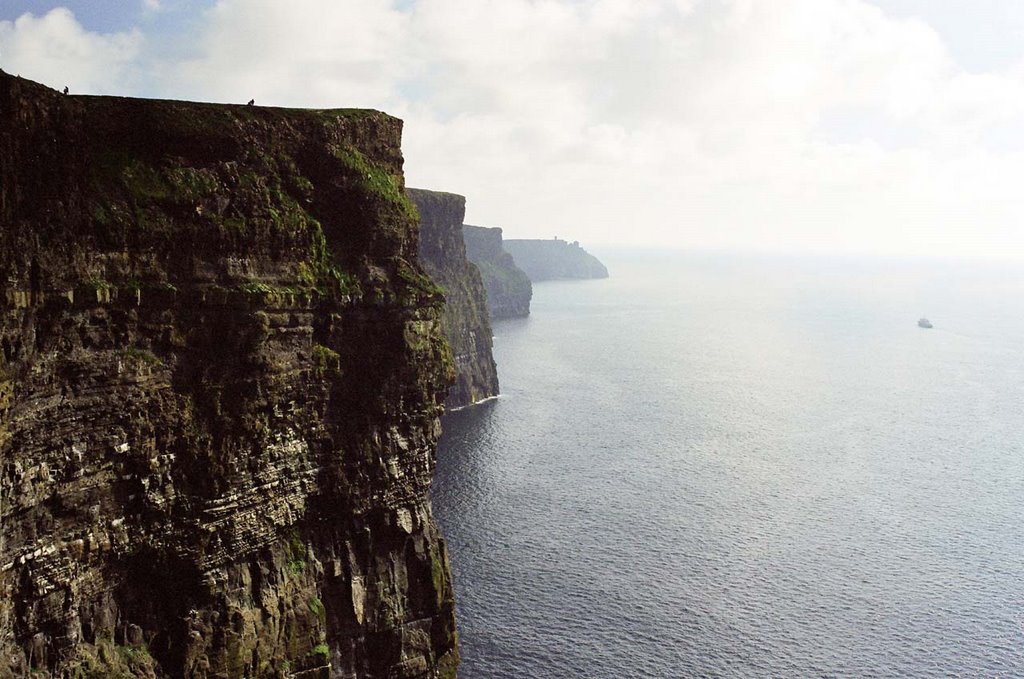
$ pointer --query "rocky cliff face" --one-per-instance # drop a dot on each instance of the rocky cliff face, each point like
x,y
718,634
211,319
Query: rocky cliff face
x,y
443,254
220,379
544,260
508,287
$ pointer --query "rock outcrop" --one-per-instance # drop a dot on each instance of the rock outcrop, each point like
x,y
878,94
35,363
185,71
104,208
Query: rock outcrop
x,y
508,287
465,322
221,370
544,260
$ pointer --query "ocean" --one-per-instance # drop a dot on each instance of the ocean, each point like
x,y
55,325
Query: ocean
x,y
743,466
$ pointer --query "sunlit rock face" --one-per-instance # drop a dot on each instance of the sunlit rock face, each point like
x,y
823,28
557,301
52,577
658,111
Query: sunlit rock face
x,y
221,376
465,319
508,287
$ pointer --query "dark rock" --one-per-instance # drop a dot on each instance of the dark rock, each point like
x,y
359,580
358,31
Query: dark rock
x,y
508,287
544,260
465,321
221,370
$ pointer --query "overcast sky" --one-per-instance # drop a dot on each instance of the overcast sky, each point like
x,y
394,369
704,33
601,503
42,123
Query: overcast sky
x,y
855,126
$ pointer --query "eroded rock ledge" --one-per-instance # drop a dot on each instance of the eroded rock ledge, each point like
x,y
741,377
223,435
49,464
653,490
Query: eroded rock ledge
x,y
220,385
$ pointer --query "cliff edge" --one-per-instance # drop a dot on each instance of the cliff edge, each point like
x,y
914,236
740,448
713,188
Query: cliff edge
x,y
544,260
508,287
221,370
465,320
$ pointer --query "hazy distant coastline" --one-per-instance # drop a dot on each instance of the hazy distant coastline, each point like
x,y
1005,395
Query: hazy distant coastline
x,y
554,259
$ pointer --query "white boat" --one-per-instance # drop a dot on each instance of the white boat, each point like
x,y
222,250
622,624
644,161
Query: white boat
x,y
924,323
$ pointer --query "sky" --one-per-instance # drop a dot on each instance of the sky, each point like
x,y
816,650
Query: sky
x,y
807,126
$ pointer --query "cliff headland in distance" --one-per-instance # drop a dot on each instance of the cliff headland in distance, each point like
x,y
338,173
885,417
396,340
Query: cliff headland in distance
x,y
545,260
508,287
465,319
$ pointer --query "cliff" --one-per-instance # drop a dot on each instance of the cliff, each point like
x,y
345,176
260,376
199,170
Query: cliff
x,y
508,287
220,375
443,255
544,260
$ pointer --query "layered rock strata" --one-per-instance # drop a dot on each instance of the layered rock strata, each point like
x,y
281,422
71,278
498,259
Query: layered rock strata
x,y
220,379
465,320
544,260
508,287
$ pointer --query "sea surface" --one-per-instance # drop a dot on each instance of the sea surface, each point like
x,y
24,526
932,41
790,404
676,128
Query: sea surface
x,y
713,466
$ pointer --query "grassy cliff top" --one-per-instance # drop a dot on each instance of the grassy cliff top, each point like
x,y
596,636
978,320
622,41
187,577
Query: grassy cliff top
x,y
116,188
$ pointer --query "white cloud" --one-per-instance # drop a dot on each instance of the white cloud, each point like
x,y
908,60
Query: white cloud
x,y
56,50
704,126
303,52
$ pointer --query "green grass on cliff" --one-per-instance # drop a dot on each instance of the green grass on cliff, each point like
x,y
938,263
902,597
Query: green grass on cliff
x,y
106,660
419,287
326,361
325,273
316,606
234,205
212,181
140,355
295,550
376,181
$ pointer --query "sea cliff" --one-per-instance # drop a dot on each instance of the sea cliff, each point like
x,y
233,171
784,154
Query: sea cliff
x,y
508,287
465,323
221,375
544,260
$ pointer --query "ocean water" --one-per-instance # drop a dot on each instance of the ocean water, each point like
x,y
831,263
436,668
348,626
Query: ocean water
x,y
747,467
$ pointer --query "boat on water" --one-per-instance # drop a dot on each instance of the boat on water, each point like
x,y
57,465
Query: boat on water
x,y
924,323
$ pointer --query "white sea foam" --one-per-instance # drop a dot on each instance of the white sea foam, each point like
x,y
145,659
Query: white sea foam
x,y
476,403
